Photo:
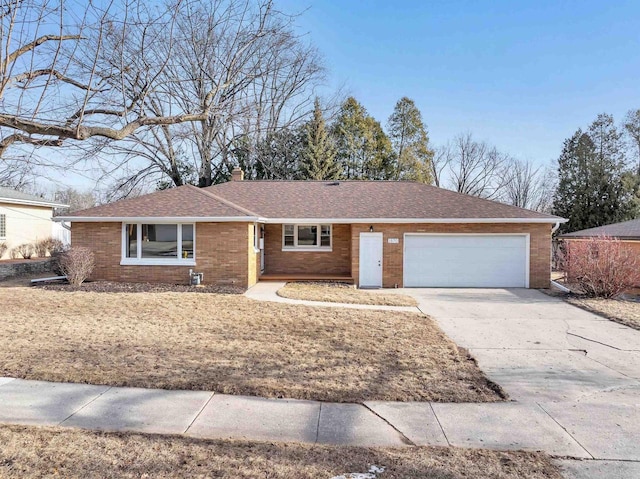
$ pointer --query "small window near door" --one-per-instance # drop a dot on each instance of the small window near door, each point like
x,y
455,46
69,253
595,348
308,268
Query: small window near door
x,y
306,237
3,226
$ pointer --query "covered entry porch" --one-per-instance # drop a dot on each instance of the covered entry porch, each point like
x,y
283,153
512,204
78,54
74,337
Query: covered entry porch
x,y
306,252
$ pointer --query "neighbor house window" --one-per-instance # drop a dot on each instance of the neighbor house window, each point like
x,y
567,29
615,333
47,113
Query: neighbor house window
x,y
158,243
306,237
3,226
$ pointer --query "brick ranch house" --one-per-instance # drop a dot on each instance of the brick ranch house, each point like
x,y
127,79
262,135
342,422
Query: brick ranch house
x,y
374,233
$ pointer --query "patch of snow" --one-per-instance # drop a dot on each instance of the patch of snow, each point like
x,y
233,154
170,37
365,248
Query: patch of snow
x,y
371,474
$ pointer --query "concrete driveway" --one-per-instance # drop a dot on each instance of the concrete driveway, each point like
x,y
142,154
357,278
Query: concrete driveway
x,y
579,368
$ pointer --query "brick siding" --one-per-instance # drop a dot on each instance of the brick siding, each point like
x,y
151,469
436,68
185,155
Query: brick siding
x,y
222,254
337,261
225,253
540,247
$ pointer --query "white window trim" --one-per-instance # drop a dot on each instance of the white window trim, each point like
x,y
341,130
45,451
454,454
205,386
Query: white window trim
x,y
139,261
307,248
256,237
4,237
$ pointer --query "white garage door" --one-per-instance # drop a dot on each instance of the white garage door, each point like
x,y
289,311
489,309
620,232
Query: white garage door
x,y
466,260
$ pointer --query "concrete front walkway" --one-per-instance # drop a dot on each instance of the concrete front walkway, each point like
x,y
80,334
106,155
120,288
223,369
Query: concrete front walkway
x,y
266,291
574,380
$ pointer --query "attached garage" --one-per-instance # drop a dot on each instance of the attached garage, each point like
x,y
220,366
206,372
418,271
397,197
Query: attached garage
x,y
466,260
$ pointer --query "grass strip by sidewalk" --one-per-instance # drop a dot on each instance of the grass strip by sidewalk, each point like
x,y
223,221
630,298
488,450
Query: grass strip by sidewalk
x,y
56,452
342,293
619,310
231,344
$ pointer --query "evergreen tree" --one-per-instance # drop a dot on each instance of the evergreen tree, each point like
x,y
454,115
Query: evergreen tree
x,y
363,149
410,142
592,186
318,155
632,128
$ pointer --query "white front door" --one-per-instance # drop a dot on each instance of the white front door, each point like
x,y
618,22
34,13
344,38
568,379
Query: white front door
x,y
370,260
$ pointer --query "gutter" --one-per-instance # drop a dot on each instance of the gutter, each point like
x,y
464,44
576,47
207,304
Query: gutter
x,y
158,219
43,204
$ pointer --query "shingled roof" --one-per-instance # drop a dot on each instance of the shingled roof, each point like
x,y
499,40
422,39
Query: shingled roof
x,y
181,202
314,200
626,230
364,200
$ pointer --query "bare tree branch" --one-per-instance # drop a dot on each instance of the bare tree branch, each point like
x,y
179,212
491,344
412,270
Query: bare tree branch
x,y
12,57
11,139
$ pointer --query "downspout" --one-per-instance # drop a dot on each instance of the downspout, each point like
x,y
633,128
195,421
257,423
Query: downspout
x,y
562,288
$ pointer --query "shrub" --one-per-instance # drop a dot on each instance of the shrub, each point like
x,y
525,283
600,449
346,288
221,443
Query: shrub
x,y
77,264
3,248
48,246
601,266
23,251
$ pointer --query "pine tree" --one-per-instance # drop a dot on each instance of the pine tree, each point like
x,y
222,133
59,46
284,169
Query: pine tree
x,y
318,156
592,185
363,149
410,142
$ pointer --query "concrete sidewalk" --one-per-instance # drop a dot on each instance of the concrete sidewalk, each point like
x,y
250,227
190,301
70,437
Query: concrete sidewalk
x,y
208,415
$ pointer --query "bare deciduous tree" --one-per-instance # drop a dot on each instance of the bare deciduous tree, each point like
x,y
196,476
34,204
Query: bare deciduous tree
x,y
241,61
442,158
473,167
528,186
57,76
186,77
476,168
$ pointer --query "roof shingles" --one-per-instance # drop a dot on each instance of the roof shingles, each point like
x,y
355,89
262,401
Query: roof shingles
x,y
313,200
181,202
362,199
625,230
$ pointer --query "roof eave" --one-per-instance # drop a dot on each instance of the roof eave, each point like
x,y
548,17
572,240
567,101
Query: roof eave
x,y
44,204
550,220
599,235
159,219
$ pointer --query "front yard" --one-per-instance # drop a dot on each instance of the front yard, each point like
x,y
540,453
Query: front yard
x,y
342,293
57,452
619,310
231,344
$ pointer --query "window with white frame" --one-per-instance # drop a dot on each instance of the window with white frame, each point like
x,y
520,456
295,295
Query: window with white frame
x,y
158,243
306,237
3,226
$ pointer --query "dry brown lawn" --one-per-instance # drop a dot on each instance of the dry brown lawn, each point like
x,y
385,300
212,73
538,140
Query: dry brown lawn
x,y
29,452
618,310
342,293
231,344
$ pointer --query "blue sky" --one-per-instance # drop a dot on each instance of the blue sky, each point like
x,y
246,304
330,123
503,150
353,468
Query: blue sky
x,y
520,75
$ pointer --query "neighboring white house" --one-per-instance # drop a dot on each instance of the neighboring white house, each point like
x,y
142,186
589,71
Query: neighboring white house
x,y
26,218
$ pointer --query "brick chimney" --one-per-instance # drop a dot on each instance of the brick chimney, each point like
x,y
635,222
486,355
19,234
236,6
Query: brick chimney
x,y
237,174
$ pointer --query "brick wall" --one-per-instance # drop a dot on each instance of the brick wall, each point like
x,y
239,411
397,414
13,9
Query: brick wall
x,y
540,247
337,261
221,254
225,254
